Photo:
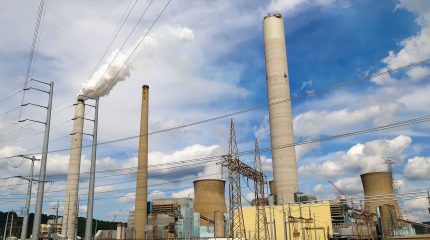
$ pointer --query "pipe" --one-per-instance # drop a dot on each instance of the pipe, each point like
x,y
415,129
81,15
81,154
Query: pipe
x,y
71,198
141,217
280,116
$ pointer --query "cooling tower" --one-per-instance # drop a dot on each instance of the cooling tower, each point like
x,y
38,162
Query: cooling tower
x,y
209,198
141,217
71,198
378,190
281,120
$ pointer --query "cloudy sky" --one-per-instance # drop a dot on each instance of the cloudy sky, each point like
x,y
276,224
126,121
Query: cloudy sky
x,y
203,59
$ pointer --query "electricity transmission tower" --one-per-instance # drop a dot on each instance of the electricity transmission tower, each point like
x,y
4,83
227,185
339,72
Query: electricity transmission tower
x,y
261,231
42,171
236,168
232,162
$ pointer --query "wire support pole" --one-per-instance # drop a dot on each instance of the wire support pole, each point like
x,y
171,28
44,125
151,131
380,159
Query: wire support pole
x,y
90,206
42,174
28,199
5,226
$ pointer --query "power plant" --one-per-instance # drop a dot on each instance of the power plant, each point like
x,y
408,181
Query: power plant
x,y
284,212
245,203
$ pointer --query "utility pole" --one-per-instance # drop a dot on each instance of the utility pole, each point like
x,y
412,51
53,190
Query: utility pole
x,y
42,173
11,227
5,226
90,206
28,199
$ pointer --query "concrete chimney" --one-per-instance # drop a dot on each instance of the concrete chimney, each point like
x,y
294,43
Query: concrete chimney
x,y
281,120
71,198
140,215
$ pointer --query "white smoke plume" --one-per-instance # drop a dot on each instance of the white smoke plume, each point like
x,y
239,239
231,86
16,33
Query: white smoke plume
x,y
118,65
116,68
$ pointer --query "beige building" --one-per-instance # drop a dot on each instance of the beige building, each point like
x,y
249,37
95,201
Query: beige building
x,y
305,221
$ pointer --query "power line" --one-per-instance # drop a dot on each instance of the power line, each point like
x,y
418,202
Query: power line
x,y
114,35
10,95
39,19
123,44
249,152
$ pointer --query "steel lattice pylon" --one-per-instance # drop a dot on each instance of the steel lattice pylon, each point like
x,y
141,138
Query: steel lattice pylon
x,y
261,231
231,160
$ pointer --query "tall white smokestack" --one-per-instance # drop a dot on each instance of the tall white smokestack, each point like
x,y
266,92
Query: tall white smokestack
x,y
140,215
281,124
71,198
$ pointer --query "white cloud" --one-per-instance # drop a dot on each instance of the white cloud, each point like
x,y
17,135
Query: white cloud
x,y
349,186
186,193
128,198
418,73
418,168
182,33
416,204
414,48
360,158
292,6
156,195
314,123
319,188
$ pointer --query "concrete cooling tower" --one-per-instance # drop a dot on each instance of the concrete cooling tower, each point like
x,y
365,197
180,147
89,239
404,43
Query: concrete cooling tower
x,y
378,190
209,198
281,119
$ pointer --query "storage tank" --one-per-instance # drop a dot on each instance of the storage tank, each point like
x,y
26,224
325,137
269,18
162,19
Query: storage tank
x,y
280,116
378,190
209,197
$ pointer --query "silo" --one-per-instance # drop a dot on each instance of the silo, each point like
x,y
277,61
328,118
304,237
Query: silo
x,y
378,190
71,198
140,213
209,197
280,116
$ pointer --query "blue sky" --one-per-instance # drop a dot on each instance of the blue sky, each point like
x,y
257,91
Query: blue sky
x,y
206,59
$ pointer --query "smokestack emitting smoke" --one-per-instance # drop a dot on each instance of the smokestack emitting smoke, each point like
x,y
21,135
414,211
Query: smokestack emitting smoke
x,y
115,69
101,83
140,215
71,198
281,124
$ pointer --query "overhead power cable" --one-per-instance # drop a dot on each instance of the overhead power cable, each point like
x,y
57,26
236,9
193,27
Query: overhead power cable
x,y
114,35
10,95
211,158
139,43
39,19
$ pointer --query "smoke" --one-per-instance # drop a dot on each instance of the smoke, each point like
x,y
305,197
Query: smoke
x,y
116,68
119,64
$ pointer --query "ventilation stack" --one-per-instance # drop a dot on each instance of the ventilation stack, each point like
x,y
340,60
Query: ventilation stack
x,y
280,116
140,215
71,198
209,198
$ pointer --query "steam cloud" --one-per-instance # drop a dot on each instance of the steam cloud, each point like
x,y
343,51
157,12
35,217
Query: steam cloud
x,y
118,65
114,70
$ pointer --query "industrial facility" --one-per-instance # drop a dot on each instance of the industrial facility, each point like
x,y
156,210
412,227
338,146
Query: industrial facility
x,y
282,213
219,208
